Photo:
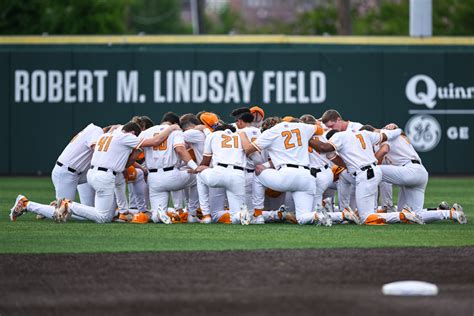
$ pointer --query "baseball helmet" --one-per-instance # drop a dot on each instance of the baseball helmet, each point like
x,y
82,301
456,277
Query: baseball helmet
x,y
141,218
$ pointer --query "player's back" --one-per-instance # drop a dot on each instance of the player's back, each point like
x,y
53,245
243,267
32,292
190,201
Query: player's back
x,y
287,143
226,148
113,149
163,155
316,159
195,139
252,133
78,152
401,151
356,149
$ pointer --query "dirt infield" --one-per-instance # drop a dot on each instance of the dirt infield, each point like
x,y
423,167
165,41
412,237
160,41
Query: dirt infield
x,y
283,282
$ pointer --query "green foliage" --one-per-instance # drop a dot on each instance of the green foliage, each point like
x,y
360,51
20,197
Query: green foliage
x,y
156,17
91,17
321,20
28,235
62,17
453,18
227,21
391,18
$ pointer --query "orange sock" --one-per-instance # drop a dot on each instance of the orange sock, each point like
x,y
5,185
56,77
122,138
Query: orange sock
x,y
257,212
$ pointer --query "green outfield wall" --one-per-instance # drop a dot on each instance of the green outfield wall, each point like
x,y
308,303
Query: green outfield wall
x,y
51,87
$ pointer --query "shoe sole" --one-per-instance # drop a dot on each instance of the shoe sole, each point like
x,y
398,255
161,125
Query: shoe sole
x,y
17,208
164,219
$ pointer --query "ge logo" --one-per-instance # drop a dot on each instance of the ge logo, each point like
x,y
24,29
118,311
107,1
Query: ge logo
x,y
424,132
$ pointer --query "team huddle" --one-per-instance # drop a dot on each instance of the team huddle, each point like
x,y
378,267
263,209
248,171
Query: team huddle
x,y
253,171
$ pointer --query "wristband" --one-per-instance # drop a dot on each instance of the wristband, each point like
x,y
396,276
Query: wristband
x,y
191,164
267,164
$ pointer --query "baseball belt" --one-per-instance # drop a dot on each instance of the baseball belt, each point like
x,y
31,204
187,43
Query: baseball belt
x,y
105,170
68,168
226,165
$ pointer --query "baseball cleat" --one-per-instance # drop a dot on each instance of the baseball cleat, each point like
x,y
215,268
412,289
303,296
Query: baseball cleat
x,y
285,215
244,215
19,208
193,219
257,220
206,219
327,203
457,214
123,218
443,206
411,216
351,216
62,212
163,218
322,218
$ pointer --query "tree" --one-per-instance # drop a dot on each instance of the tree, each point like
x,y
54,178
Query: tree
x,y
62,17
156,17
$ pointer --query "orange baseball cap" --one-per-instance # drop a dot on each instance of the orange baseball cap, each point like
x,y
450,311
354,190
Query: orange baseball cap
x,y
210,120
258,110
288,118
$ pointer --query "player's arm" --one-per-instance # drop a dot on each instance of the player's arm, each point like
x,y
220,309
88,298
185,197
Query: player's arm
x,y
180,149
389,134
383,150
161,137
246,144
133,157
338,161
320,146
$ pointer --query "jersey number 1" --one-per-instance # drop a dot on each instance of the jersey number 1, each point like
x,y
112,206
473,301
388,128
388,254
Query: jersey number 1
x,y
361,139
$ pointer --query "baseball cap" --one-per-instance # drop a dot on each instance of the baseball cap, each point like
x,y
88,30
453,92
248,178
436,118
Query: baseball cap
x,y
288,118
210,120
258,110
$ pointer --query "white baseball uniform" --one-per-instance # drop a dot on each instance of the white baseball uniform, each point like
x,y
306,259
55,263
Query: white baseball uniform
x,y
255,199
72,165
228,167
287,146
108,160
356,149
164,175
404,168
345,185
320,169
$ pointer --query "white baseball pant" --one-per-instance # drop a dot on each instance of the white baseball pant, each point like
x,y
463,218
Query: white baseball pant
x,y
103,183
233,180
412,179
299,182
161,183
137,192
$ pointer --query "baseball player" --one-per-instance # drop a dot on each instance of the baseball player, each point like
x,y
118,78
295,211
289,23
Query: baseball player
x,y
224,149
162,163
254,198
404,168
74,161
356,152
109,158
287,145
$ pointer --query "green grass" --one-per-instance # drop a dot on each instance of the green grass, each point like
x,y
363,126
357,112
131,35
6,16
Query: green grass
x,y
27,235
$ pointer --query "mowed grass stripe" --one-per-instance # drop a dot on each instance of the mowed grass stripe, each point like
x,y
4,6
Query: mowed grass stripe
x,y
27,235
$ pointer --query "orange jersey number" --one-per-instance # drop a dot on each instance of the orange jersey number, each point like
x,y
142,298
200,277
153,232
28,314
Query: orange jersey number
x,y
226,141
288,136
104,143
361,139
162,146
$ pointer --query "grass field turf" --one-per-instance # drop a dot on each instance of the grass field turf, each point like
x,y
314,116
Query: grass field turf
x,y
27,235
